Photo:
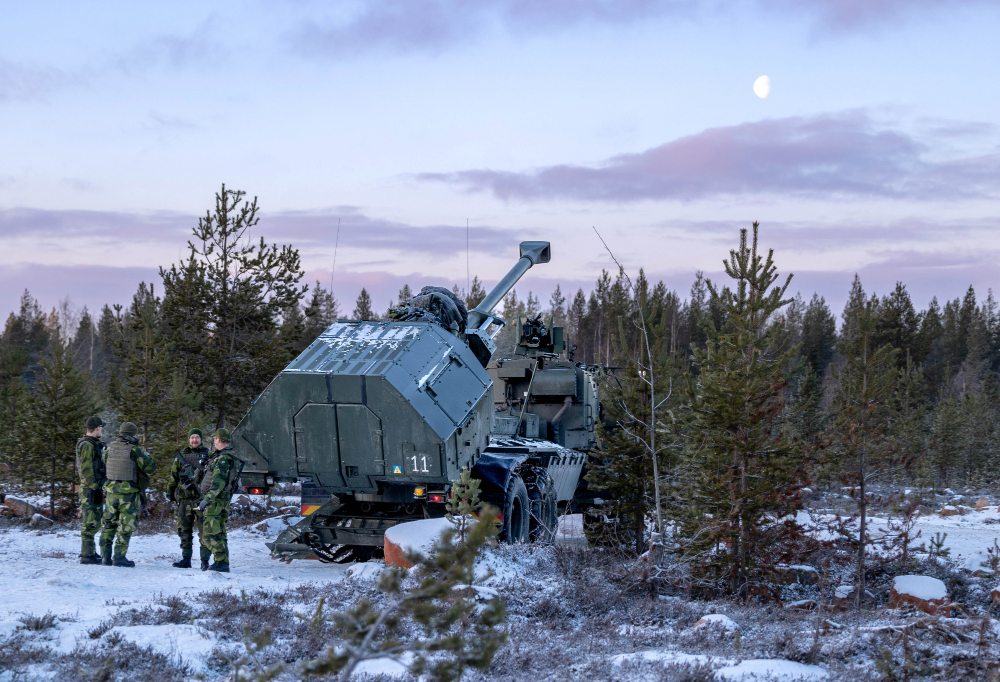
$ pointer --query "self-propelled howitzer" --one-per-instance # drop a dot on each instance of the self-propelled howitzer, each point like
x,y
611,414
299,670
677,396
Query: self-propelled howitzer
x,y
377,418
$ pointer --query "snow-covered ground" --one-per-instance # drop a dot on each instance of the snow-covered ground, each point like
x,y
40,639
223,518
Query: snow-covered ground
x,y
40,574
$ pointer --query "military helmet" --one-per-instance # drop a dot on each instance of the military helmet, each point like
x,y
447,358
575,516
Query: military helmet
x,y
223,435
128,429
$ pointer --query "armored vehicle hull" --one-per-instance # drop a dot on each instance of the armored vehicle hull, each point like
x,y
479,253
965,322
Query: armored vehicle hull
x,y
376,419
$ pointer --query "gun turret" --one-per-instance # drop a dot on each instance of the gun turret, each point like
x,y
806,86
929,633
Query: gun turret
x,y
476,331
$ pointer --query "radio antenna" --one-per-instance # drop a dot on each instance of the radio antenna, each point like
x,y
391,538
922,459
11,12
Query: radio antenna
x,y
335,246
468,281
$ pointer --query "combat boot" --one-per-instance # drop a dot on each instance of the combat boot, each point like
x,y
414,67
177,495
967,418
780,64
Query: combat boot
x,y
123,563
220,566
183,563
90,559
106,559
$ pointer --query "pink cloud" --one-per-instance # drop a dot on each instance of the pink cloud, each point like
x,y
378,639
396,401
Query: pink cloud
x,y
831,155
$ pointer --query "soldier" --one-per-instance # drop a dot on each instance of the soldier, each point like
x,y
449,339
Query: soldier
x,y
124,461
221,478
90,466
186,475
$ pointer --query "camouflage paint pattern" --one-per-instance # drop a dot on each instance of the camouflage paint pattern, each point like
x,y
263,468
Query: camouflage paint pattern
x,y
121,513
188,520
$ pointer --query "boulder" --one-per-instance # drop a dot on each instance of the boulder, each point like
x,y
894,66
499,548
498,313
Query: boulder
x,y
950,511
926,593
995,595
39,521
982,504
20,507
803,575
802,605
717,621
843,597
412,536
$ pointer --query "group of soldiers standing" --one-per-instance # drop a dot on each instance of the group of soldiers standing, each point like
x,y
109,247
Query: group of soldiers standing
x,y
112,476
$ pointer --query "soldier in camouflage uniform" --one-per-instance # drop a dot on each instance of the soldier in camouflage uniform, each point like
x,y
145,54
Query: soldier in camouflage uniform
x,y
124,462
90,466
186,475
221,478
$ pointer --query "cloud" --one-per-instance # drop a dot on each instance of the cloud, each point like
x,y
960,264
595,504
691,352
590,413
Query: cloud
x,y
406,26
433,25
29,82
302,229
832,155
842,16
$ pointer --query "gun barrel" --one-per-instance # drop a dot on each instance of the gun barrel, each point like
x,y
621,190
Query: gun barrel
x,y
532,253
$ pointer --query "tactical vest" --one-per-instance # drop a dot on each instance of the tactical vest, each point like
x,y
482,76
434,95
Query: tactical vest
x,y
235,469
119,462
192,466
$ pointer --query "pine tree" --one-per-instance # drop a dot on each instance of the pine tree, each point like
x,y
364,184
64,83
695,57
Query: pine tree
x,y
141,390
223,306
897,323
856,302
60,402
576,319
405,293
363,306
749,470
863,407
819,335
322,311
477,292
557,307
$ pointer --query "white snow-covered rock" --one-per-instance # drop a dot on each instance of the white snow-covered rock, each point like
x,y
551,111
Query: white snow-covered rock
x,y
386,666
977,563
412,536
770,669
920,586
365,571
9,627
717,620
926,593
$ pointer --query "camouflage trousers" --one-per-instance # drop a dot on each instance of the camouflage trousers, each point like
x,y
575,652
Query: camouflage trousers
x,y
90,521
189,519
213,530
121,513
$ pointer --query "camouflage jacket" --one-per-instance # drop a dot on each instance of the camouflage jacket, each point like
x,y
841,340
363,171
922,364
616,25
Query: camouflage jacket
x,y
183,481
220,467
145,464
90,463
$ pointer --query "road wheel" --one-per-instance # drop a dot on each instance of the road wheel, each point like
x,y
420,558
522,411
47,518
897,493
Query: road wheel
x,y
516,513
544,513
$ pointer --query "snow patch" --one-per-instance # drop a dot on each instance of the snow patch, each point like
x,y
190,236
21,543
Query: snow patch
x,y
665,657
771,669
366,571
176,641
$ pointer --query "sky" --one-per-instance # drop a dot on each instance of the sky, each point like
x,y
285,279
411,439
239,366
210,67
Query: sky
x,y
439,133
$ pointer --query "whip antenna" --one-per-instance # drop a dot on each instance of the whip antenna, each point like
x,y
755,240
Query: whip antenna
x,y
335,245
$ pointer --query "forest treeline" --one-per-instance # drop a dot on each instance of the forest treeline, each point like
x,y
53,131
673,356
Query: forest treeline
x,y
196,347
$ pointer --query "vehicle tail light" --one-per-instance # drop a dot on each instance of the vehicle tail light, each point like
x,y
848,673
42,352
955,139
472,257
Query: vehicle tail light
x,y
255,491
437,498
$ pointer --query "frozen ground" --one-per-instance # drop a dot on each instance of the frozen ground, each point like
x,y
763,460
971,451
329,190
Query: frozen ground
x,y
572,612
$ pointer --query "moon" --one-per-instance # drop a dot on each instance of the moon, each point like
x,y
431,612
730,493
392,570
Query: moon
x,y
762,87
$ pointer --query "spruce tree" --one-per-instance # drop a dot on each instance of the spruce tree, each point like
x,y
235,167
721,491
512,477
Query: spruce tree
x,y
322,311
477,292
60,402
863,405
557,307
363,306
223,306
141,391
749,471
